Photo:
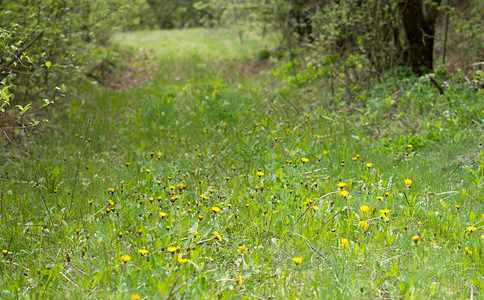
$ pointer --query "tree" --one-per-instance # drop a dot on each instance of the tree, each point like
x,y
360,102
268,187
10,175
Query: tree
x,y
419,24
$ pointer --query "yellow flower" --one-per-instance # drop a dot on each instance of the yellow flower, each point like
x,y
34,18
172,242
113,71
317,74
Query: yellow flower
x,y
297,260
260,174
242,249
383,213
172,249
415,238
364,208
239,279
135,297
143,252
363,224
409,146
344,193
304,160
344,244
341,185
163,214
457,206
468,251
408,182
218,236
204,197
315,208
215,209
368,165
127,164
181,259
4,252
125,258
471,228
325,152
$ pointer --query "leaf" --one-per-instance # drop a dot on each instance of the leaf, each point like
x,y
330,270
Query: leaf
x,y
48,64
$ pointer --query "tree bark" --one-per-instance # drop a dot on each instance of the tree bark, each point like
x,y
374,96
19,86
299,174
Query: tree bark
x,y
419,24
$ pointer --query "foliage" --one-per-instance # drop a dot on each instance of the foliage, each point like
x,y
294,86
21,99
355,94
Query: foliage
x,y
45,45
210,182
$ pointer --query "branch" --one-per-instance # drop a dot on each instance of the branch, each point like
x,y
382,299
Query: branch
x,y
26,47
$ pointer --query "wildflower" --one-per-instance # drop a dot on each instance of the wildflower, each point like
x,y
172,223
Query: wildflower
x,y
325,152
163,214
127,164
140,231
148,170
260,174
363,224
344,244
125,258
151,199
143,252
218,236
409,146
297,260
5,252
383,213
468,251
364,208
341,185
111,190
200,218
168,227
159,155
471,228
181,259
408,182
204,197
215,209
239,279
344,193
379,198
457,206
108,210
172,249
368,165
91,202
135,297
304,160
354,158
242,249
120,234
315,208
415,239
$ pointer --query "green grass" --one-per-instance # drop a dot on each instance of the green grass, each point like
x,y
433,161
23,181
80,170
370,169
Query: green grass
x,y
216,127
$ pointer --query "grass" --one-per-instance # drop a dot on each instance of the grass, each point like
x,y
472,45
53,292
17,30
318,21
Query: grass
x,y
86,192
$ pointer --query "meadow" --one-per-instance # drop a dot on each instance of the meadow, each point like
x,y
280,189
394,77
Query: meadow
x,y
228,177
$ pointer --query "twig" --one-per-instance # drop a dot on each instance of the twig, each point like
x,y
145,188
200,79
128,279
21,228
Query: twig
x,y
173,292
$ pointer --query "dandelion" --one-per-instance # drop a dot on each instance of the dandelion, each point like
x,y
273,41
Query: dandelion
x,y
368,165
379,198
163,214
344,193
172,249
218,236
409,146
215,209
125,258
468,251
304,160
4,252
297,260
200,218
143,252
315,208
364,208
148,170
415,239
344,244
457,206
204,197
260,174
111,190
151,199
471,228
325,152
354,158
363,224
341,185
135,297
383,213
181,259
127,164
242,249
408,182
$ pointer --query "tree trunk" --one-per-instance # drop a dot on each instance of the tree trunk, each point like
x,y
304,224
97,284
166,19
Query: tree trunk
x,y
419,24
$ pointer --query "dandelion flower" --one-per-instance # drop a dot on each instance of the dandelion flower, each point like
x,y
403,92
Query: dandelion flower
x,y
408,182
457,206
344,193
471,228
297,260
242,249
344,244
125,258
218,236
415,239
181,259
341,185
163,214
143,252
364,208
368,165
304,160
204,197
239,279
172,249
216,209
135,297
468,251
260,174
315,208
363,224
4,252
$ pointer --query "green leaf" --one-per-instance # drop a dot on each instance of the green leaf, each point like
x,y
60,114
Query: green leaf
x,y
48,64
